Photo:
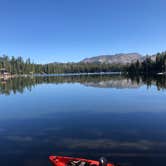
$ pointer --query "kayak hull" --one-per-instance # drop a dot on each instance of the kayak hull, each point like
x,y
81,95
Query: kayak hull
x,y
63,161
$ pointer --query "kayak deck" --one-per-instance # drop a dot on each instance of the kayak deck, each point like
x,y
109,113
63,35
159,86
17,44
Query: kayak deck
x,y
64,161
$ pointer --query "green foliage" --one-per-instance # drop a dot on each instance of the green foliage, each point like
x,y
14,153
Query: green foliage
x,y
149,65
19,66
16,65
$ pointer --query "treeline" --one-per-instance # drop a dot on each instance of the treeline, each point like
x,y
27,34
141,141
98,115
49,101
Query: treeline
x,y
16,65
150,65
21,66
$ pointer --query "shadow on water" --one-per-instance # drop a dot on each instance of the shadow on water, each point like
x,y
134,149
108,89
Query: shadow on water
x,y
128,138
118,137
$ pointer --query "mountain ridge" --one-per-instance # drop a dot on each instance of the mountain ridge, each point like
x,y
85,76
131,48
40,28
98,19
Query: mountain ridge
x,y
121,58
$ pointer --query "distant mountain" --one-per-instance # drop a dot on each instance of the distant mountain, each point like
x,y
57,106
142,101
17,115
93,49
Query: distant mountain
x,y
115,59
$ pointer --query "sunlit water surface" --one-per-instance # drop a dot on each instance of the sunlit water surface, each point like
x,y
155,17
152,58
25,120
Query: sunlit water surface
x,y
123,119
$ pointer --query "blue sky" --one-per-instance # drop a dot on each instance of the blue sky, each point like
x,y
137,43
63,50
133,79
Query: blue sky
x,y
69,30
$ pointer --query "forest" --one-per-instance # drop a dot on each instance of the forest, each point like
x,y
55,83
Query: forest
x,y
20,66
149,66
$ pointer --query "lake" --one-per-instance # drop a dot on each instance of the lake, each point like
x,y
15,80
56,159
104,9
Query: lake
x,y
121,118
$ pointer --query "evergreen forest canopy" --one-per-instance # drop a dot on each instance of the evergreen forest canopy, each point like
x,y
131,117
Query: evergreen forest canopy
x,y
148,65
20,66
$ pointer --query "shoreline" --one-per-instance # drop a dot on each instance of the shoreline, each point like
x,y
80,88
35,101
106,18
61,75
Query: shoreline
x,y
59,74
5,77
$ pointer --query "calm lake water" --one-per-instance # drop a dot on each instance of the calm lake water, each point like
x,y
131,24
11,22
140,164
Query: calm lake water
x,y
123,119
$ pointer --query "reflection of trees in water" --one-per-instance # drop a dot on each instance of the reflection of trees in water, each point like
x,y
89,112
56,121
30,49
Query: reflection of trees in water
x,y
20,84
158,81
15,85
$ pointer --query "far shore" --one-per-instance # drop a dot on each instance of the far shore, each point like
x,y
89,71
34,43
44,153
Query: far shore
x,y
64,74
59,74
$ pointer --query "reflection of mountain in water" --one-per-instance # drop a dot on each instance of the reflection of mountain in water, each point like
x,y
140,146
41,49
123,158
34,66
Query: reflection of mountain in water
x,y
20,84
119,84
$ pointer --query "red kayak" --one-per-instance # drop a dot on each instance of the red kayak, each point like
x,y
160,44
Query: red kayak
x,y
70,161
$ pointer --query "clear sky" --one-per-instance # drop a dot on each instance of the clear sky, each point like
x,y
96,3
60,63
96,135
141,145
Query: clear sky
x,y
69,30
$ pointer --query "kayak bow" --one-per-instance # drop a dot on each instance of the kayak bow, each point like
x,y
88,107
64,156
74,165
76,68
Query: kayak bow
x,y
70,161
